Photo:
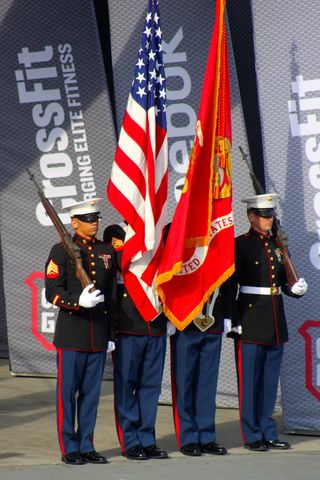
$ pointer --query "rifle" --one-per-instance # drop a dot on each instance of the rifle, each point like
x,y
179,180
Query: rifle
x,y
69,245
278,232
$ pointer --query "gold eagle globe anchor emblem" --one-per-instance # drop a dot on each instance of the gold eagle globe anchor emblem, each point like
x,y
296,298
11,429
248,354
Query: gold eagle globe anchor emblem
x,y
204,322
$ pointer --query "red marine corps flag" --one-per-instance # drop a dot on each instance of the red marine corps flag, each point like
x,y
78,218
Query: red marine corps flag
x,y
199,251
139,179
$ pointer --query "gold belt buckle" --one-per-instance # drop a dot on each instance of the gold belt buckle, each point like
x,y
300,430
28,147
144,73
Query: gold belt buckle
x,y
274,290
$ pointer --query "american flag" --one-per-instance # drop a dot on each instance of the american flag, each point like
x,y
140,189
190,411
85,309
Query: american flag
x,y
139,178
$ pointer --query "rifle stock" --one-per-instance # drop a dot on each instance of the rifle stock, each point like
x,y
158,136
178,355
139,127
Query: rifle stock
x,y
280,237
72,249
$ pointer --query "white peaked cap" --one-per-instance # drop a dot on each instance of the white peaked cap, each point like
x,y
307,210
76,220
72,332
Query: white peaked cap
x,y
84,207
266,200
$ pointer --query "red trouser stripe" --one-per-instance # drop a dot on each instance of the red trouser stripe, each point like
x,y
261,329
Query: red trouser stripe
x,y
174,399
240,377
118,427
59,401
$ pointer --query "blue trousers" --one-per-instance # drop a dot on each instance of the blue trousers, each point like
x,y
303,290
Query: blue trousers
x,y
195,359
138,370
78,391
258,369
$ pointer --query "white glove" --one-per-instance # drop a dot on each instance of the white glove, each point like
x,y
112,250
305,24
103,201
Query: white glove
x,y
300,287
237,329
90,299
171,329
227,325
111,346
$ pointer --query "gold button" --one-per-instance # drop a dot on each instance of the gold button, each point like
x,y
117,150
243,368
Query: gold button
x,y
272,268
93,264
94,281
75,304
271,258
84,241
125,295
92,255
273,276
269,251
250,305
266,244
68,303
257,263
262,237
70,313
62,301
89,248
273,284
93,272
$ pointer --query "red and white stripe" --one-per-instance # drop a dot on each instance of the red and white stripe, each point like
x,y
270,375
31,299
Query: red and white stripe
x,y
138,191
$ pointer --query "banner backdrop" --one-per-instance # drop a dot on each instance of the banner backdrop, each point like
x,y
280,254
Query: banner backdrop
x,y
288,58
186,39
55,120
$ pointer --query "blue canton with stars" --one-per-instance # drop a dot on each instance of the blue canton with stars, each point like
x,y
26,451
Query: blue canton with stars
x,y
149,83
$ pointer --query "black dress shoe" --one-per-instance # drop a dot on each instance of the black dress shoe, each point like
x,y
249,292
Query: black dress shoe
x,y
73,458
135,453
257,446
277,444
213,448
191,449
93,457
152,451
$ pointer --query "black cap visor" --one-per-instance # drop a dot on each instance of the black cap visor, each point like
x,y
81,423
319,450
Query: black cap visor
x,y
263,212
89,217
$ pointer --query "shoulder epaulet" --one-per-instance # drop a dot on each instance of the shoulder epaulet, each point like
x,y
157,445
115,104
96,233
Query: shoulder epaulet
x,y
58,245
241,237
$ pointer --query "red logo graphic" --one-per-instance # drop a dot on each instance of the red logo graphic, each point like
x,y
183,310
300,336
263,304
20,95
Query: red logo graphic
x,y
31,282
310,331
